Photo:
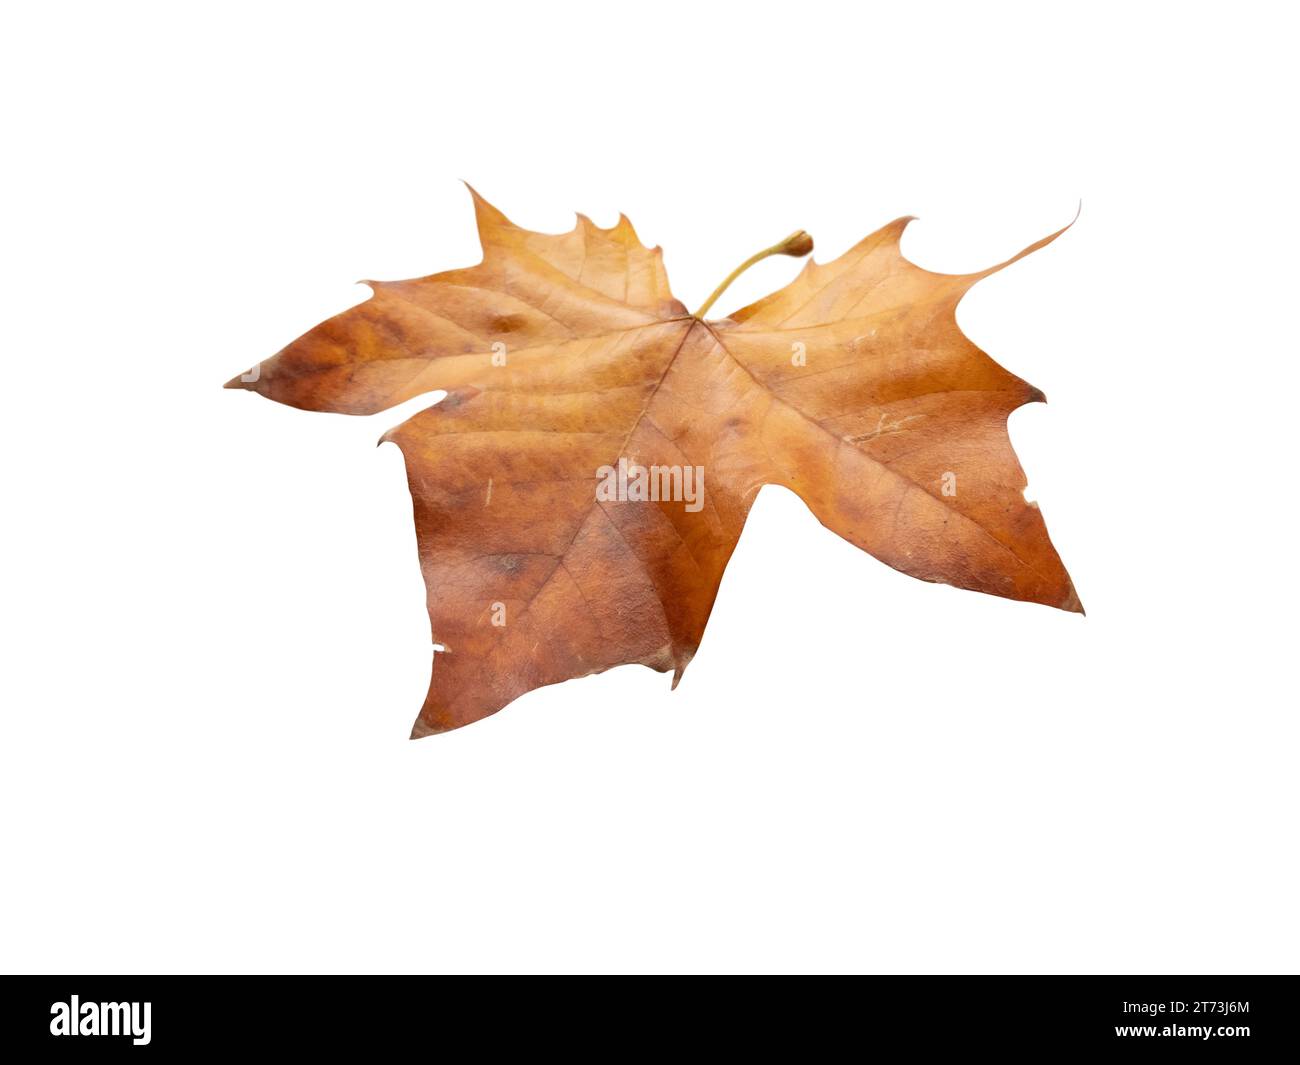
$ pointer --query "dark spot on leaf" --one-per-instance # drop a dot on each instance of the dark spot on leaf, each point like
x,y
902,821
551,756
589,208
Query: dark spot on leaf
x,y
507,323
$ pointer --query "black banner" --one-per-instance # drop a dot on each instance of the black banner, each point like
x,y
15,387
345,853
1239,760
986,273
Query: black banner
x,y
1211,1015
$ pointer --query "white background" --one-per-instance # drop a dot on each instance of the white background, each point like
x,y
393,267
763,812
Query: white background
x,y
214,634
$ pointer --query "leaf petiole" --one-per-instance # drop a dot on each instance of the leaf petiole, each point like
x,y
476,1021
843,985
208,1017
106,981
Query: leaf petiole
x,y
796,244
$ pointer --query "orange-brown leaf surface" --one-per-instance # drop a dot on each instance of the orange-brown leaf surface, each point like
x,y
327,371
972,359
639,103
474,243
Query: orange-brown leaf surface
x,y
562,355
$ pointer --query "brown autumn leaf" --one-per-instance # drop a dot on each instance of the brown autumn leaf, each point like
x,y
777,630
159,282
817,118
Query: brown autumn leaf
x,y
580,489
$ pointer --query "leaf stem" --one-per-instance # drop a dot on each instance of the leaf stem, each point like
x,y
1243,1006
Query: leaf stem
x,y
797,244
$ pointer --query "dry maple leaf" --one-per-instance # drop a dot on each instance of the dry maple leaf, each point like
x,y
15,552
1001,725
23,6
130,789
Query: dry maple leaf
x,y
577,386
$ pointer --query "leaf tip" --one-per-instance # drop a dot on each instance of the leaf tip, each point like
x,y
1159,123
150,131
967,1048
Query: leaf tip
x,y
419,730
1029,250
1071,602
487,216
681,659
624,228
